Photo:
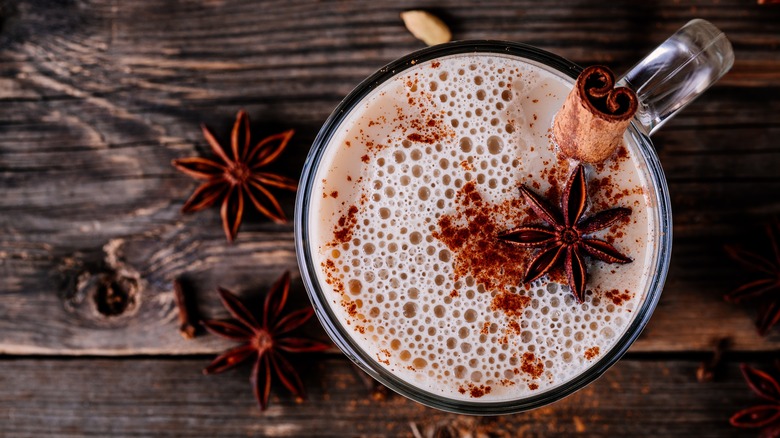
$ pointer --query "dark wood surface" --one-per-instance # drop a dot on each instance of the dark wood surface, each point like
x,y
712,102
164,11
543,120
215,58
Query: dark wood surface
x,y
96,98
168,397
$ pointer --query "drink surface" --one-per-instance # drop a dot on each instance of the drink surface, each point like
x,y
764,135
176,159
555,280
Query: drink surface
x,y
408,199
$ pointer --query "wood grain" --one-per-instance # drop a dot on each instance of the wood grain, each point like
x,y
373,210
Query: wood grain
x,y
164,397
98,96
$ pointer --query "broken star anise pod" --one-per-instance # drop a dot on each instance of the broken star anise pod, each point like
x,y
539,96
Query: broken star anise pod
x,y
231,178
766,285
766,416
565,241
264,341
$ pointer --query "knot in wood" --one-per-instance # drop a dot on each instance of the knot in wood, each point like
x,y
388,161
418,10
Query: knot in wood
x,y
113,294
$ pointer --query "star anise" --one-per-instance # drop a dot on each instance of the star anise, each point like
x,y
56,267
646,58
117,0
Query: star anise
x,y
229,178
766,416
566,242
767,283
264,341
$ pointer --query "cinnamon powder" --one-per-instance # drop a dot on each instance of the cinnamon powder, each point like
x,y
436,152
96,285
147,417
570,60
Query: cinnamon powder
x,y
470,235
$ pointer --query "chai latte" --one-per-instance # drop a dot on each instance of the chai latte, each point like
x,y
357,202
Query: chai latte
x,y
412,191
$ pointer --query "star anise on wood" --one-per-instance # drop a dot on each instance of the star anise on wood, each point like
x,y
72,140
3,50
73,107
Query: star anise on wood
x,y
767,283
766,416
231,178
565,241
264,341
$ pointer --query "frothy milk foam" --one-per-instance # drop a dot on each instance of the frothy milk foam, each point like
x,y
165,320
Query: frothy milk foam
x,y
407,201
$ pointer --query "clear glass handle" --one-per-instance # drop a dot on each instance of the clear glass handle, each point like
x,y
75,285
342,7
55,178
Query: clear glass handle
x,y
677,72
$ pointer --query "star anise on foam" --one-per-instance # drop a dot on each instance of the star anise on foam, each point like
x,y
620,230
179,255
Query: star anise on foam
x,y
565,241
766,416
264,341
767,283
229,179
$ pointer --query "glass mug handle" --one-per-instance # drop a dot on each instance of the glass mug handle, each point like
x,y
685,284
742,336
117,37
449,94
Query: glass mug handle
x,y
677,72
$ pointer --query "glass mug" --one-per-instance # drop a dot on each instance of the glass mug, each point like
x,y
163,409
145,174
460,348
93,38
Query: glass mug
x,y
665,81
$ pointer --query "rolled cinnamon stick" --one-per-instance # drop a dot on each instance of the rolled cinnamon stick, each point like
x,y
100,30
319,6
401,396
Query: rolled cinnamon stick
x,y
594,117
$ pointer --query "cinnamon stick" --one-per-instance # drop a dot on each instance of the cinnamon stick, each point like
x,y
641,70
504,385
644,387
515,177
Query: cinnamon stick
x,y
594,117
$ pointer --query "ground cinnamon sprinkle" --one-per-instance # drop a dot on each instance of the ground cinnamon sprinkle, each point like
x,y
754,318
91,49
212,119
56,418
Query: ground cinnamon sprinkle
x,y
474,390
512,329
613,163
510,303
608,195
591,352
332,276
419,138
470,235
429,132
350,307
424,126
385,361
346,223
618,298
531,365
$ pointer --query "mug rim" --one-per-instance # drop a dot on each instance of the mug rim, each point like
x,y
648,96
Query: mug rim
x,y
368,364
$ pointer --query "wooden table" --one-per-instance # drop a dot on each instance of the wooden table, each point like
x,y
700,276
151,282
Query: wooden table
x,y
99,95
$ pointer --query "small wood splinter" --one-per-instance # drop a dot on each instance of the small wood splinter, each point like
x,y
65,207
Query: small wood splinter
x,y
590,125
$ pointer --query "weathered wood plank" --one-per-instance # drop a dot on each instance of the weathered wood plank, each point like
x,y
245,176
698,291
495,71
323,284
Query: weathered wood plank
x,y
163,397
235,40
98,97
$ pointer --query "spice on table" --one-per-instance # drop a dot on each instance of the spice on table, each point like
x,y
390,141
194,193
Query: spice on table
x,y
459,427
265,340
767,415
426,27
565,241
377,391
188,314
766,284
708,369
231,178
595,115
